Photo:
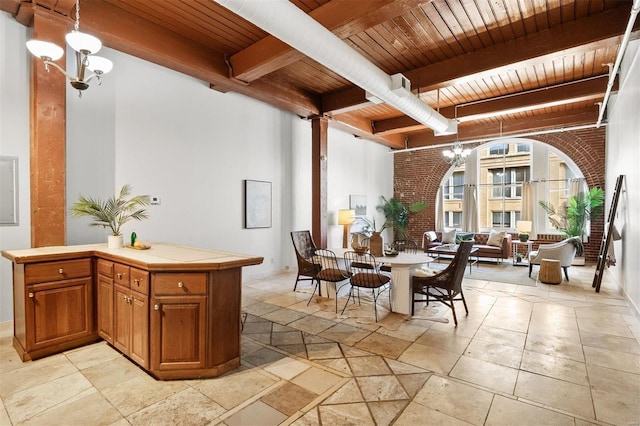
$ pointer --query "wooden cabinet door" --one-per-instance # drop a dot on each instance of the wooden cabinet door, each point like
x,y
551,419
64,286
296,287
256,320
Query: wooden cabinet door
x,y
140,329
58,312
122,318
105,308
178,332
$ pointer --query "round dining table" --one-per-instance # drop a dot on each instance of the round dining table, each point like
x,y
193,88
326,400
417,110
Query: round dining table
x,y
402,267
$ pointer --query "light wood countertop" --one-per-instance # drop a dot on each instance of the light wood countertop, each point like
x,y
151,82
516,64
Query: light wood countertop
x,y
160,257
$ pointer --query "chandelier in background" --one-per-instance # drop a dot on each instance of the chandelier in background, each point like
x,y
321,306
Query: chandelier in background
x,y
456,156
85,46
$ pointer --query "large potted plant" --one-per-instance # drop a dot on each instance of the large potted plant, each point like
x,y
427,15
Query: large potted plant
x,y
113,213
571,217
397,214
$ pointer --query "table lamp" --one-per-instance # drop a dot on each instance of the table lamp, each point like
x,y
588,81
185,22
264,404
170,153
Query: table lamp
x,y
346,217
524,227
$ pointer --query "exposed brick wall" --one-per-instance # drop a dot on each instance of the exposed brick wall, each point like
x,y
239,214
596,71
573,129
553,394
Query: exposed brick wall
x,y
417,175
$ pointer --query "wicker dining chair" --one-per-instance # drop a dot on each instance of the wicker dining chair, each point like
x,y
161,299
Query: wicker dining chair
x,y
305,250
445,286
406,246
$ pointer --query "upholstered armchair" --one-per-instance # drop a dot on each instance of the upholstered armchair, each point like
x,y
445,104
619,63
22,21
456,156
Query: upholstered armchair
x,y
563,251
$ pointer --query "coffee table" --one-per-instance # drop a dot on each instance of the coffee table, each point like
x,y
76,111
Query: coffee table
x,y
450,250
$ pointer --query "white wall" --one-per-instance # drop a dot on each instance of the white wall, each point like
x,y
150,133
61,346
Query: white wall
x,y
14,142
356,167
623,152
170,136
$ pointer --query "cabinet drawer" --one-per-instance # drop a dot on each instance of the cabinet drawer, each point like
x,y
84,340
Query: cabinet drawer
x,y
105,268
57,271
121,274
179,284
140,280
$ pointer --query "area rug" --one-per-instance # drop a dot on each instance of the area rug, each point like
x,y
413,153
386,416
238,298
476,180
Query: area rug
x,y
504,272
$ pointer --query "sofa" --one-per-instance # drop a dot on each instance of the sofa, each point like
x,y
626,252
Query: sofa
x,y
498,252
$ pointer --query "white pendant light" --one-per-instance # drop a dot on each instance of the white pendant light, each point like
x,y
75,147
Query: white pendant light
x,y
81,42
45,50
99,65
85,46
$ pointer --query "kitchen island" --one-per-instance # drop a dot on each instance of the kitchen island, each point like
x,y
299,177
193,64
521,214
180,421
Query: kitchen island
x,y
173,310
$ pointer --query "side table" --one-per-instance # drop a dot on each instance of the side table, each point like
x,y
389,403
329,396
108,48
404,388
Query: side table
x,y
514,249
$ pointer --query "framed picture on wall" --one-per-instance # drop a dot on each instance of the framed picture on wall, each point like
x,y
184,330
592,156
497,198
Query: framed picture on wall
x,y
359,204
257,204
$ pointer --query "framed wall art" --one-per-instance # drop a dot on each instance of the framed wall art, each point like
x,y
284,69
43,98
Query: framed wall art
x,y
8,190
257,204
359,204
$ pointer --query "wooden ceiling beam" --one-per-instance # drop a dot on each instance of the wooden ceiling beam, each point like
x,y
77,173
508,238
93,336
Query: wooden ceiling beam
x,y
470,131
130,34
10,6
361,127
601,30
575,37
271,54
588,89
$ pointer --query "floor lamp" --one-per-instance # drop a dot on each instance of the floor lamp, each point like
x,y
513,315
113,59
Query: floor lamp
x,y
345,218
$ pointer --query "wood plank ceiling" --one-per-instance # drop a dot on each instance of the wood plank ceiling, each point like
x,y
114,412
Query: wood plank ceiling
x,y
499,66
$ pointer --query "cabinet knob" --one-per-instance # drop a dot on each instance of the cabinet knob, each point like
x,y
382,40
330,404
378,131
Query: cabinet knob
x,y
119,275
31,294
137,282
124,298
180,284
61,271
156,307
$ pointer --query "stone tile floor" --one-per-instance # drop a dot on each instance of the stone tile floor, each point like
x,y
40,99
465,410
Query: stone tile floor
x,y
525,355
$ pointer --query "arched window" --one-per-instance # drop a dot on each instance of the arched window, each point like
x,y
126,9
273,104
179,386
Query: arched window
x,y
499,171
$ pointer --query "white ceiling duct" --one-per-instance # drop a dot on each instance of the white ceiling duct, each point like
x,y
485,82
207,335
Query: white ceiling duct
x,y
286,22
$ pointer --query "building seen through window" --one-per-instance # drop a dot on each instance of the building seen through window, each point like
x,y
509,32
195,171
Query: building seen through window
x,y
503,169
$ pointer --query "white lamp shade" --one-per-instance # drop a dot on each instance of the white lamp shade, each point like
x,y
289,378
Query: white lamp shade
x,y
345,217
45,49
524,226
81,42
98,64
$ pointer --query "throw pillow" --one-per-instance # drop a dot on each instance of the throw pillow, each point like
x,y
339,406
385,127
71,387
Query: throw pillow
x,y
432,236
449,236
464,236
495,238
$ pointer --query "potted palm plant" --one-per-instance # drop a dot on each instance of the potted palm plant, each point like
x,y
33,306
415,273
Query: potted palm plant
x,y
113,213
571,218
397,214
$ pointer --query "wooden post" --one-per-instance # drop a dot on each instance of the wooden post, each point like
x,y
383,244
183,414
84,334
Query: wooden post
x,y
48,130
319,127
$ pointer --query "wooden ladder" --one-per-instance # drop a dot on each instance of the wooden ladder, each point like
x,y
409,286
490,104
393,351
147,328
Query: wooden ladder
x,y
603,261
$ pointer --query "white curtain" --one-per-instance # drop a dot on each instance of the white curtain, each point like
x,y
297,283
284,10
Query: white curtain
x,y
440,210
576,186
470,219
528,209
